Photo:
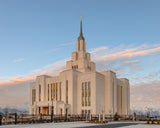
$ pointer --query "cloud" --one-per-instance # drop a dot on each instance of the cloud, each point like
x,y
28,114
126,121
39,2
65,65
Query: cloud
x,y
145,94
127,53
152,76
18,60
94,50
60,46
130,61
121,59
53,50
15,91
66,44
51,69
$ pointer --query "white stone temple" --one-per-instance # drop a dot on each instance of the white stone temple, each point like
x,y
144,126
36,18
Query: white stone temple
x,y
80,89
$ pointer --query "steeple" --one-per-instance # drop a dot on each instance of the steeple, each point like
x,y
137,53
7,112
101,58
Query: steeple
x,y
81,34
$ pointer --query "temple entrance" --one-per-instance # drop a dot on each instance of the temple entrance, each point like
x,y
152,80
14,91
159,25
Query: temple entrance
x,y
45,110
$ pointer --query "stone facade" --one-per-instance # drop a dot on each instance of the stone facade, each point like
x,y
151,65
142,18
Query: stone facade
x,y
80,89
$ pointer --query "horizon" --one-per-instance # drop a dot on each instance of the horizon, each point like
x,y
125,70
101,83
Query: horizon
x,y
122,36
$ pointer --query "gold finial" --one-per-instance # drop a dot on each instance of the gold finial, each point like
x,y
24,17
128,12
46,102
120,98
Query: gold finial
x,y
81,17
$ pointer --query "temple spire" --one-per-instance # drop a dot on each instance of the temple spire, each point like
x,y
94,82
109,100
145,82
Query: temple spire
x,y
81,34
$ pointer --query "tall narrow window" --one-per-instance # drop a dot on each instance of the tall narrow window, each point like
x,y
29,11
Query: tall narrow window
x,y
83,88
66,91
51,91
48,92
39,92
33,96
86,94
60,92
56,91
89,93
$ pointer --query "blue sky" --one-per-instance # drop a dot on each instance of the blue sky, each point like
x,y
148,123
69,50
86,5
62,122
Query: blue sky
x,y
35,34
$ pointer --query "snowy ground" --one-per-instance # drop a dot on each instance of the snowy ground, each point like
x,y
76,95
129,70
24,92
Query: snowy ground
x,y
84,125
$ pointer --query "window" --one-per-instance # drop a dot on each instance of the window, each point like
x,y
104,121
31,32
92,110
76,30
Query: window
x,y
89,111
51,91
48,92
83,89
66,91
85,111
60,91
75,67
33,96
89,85
82,86
89,93
56,91
85,101
86,85
39,92
86,94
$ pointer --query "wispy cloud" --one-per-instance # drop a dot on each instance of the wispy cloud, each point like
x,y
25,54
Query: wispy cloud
x,y
94,50
127,53
15,90
18,60
145,94
60,46
53,50
66,44
121,59
131,61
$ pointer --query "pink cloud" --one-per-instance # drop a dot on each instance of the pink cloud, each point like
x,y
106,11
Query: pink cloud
x,y
127,53
145,94
142,94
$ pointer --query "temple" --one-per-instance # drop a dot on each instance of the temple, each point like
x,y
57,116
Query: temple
x,y
80,89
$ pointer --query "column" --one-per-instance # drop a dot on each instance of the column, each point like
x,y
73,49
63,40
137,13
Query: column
x,y
50,108
35,109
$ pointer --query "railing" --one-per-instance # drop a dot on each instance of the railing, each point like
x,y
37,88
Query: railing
x,y
25,118
30,119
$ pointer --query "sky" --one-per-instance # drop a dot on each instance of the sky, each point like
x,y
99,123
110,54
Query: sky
x,y
37,37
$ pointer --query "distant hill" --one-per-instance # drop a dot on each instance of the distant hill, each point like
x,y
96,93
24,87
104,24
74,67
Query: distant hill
x,y
13,110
